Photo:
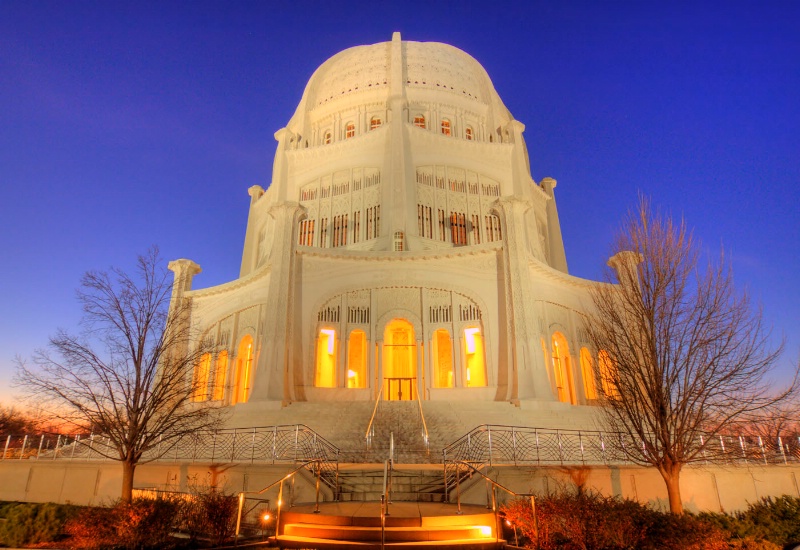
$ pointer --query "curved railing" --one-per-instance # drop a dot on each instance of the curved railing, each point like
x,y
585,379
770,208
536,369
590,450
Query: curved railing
x,y
489,445
267,444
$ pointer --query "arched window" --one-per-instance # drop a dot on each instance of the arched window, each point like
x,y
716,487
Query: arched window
x,y
469,133
220,370
561,369
608,375
200,378
442,359
325,376
327,138
587,371
357,360
473,352
399,241
419,121
399,360
349,130
244,370
375,122
446,130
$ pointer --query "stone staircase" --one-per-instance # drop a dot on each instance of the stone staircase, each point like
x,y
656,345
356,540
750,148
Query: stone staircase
x,y
407,484
345,423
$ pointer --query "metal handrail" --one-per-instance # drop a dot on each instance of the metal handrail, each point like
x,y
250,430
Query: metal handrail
x,y
280,495
369,433
424,425
496,485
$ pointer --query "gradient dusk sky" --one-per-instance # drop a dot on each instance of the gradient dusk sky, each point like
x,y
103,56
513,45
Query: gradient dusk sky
x,y
128,124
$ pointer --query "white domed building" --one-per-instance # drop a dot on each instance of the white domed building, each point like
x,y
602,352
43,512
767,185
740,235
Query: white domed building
x,y
401,251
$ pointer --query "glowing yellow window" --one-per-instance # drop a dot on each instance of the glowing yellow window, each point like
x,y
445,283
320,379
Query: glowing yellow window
x,y
442,359
446,129
325,376
375,122
220,370
200,378
244,370
468,132
419,121
587,371
608,375
561,369
476,367
357,360
327,139
349,130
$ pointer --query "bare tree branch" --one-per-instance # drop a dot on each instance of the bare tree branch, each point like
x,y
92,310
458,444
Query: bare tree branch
x,y
689,355
128,373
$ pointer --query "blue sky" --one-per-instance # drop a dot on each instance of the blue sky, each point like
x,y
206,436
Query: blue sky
x,y
128,124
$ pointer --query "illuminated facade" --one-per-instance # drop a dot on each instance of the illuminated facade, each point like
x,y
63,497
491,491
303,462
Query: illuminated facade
x,y
402,248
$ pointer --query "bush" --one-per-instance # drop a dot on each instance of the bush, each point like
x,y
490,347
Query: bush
x,y
578,522
140,525
685,532
211,514
776,520
592,522
28,523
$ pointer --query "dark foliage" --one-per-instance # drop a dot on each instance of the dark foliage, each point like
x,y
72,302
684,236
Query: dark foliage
x,y
211,515
588,521
30,523
143,524
774,519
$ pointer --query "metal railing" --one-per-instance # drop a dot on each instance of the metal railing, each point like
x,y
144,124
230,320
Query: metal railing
x,y
492,496
380,411
425,438
401,383
370,433
272,444
244,512
512,445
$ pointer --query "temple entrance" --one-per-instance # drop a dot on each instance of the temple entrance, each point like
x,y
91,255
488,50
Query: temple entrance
x,y
399,361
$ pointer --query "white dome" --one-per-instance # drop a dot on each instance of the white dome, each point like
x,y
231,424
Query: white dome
x,y
365,73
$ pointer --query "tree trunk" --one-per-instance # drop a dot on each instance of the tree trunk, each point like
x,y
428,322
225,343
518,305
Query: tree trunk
x,y
128,468
672,478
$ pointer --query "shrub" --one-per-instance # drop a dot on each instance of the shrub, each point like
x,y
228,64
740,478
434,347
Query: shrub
x,y
211,514
685,532
142,524
592,522
776,520
583,521
28,523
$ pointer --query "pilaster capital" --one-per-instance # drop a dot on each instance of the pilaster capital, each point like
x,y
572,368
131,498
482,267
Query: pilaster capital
x,y
184,271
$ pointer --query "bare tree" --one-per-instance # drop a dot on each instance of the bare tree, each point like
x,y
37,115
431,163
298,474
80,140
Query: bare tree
x,y
689,356
129,373
13,421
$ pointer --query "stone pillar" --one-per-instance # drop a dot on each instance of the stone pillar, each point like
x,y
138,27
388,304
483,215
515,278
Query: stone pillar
x,y
524,378
626,266
184,271
250,253
180,316
275,377
558,259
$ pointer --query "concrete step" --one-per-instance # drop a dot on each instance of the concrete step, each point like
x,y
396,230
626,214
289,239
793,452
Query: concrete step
x,y
392,534
488,543
408,526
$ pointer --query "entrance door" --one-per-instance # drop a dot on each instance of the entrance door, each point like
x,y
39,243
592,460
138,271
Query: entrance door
x,y
399,361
